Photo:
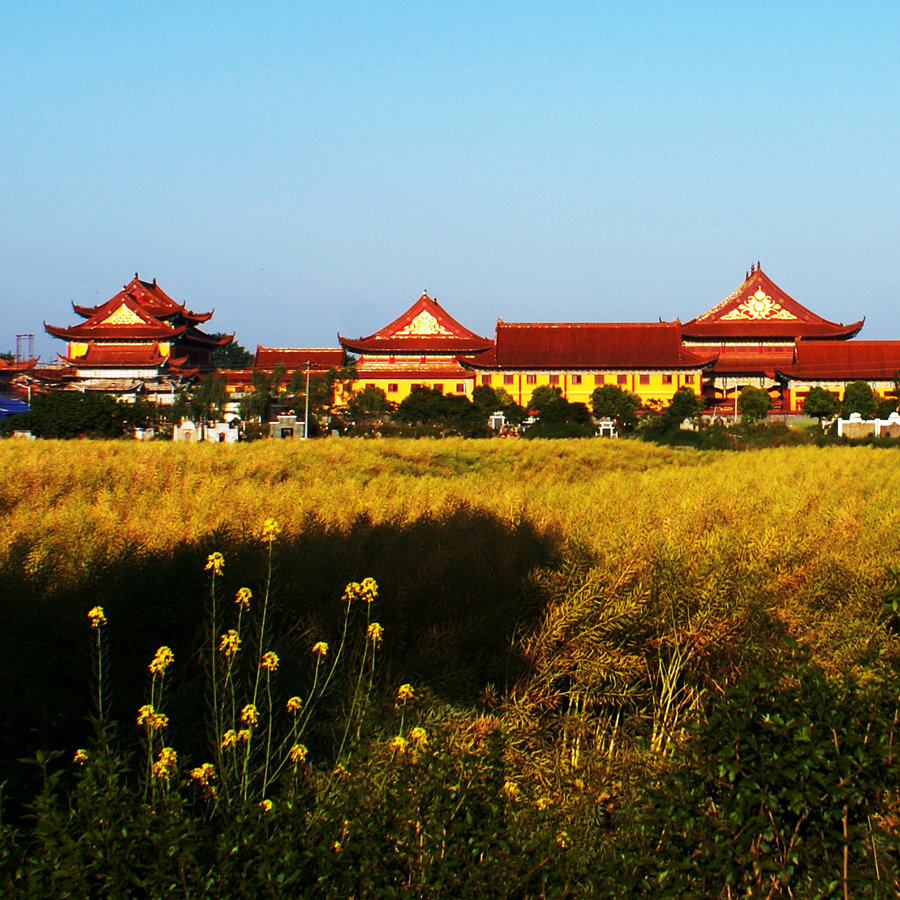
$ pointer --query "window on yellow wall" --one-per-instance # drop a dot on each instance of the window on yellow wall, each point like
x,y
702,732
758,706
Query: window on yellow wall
x,y
621,379
392,388
554,379
369,385
485,379
599,378
576,379
508,379
667,379
439,388
688,379
531,379
460,388
644,379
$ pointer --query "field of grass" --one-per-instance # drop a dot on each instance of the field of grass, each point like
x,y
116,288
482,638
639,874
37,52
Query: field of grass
x,y
577,609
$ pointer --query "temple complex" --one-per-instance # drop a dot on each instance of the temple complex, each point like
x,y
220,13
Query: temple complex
x,y
645,358
420,347
140,341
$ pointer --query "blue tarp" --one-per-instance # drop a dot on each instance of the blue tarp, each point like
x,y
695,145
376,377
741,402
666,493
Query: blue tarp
x,y
9,406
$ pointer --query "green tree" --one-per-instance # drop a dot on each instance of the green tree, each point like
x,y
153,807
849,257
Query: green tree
x,y
610,402
753,403
65,414
207,397
422,406
685,404
231,355
820,404
8,356
369,404
859,398
485,400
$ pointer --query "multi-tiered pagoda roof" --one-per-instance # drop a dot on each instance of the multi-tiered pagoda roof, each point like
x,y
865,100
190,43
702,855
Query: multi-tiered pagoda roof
x,y
140,332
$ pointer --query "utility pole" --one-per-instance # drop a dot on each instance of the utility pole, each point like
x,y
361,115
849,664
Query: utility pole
x,y
306,417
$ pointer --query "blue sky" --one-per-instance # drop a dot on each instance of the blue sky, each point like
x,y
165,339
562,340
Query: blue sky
x,y
308,168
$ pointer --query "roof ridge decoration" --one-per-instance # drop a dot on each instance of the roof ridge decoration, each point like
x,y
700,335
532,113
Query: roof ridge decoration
x,y
758,305
122,315
758,298
424,324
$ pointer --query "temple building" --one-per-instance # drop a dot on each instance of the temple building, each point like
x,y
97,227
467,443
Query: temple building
x,y
420,347
139,342
291,360
753,335
833,366
645,358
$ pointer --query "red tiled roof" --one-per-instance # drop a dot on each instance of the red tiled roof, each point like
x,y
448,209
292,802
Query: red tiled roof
x,y
321,359
850,360
588,345
760,310
119,355
425,327
747,361
134,322
152,297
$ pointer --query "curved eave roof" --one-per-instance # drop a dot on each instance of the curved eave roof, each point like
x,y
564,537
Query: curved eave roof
x,y
426,327
450,346
196,336
86,332
769,330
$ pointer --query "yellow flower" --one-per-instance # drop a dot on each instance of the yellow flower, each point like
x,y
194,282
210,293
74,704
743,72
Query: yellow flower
x,y
320,648
419,738
398,744
270,530
204,774
405,692
80,757
163,659
298,753
244,735
230,642
243,597
266,805
95,614
367,590
336,846
269,661
148,716
374,633
542,803
164,767
510,790
294,704
216,562
229,739
249,714
563,839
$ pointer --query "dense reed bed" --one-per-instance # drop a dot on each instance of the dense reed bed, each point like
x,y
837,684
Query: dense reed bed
x,y
591,602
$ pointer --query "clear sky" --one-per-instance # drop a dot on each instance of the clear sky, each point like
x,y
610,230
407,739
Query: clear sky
x,y
306,168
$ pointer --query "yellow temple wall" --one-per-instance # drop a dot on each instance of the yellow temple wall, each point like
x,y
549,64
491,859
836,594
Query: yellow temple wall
x,y
397,389
578,387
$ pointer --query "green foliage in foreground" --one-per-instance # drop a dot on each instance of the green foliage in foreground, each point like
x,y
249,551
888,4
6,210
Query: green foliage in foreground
x,y
62,414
